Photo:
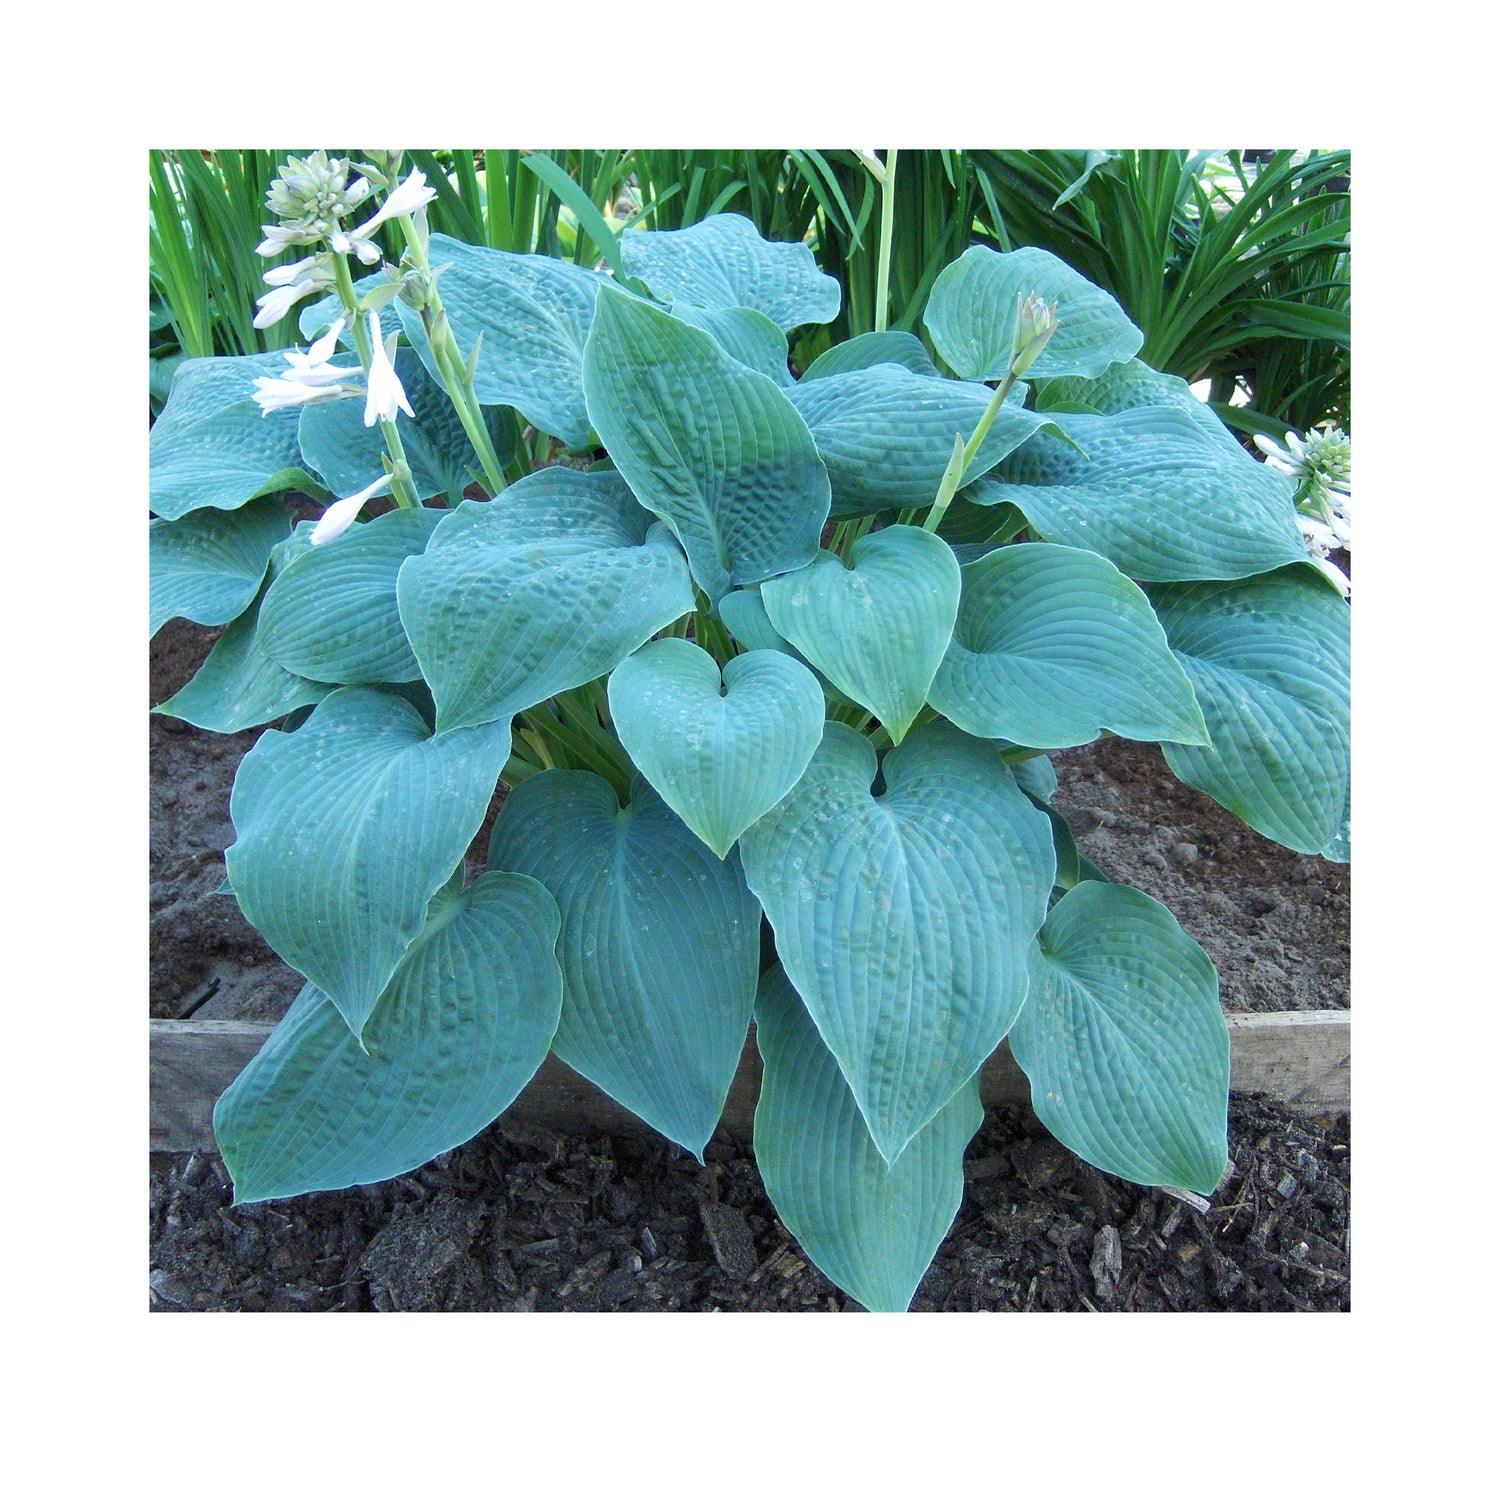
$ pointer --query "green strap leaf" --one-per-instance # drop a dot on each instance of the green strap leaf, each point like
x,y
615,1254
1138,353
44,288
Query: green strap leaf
x,y
886,435
660,945
890,346
879,628
870,1228
723,262
1268,658
212,447
544,589
1157,494
1124,1042
904,920
331,614
467,1019
208,566
971,315
1054,645
347,455
720,753
534,313
347,828
716,450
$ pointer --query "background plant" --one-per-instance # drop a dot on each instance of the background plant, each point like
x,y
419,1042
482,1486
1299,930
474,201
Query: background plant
x,y
708,708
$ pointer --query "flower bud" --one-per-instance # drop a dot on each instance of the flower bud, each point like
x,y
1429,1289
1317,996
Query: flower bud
x,y
1036,322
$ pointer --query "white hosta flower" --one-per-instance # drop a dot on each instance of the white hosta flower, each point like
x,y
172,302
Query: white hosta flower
x,y
339,516
1320,465
278,302
299,270
386,395
1321,539
280,236
276,395
405,199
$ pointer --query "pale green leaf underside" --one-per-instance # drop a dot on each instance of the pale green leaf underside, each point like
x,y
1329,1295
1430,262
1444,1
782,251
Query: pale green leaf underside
x,y
347,455
971,315
886,434
716,450
541,590
878,629
1124,1042
872,1229
346,829
1268,658
467,1019
904,920
239,686
534,313
660,945
891,346
723,262
331,614
208,566
211,447
750,337
1158,495
1054,645
719,753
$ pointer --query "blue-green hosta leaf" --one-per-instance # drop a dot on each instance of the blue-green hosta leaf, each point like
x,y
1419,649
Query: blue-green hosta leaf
x,y
347,828
891,346
1053,645
1124,1042
744,612
546,588
1339,847
1134,386
331,614
886,435
239,686
1036,777
534,313
878,628
904,919
723,262
467,1019
713,448
347,455
749,336
209,565
1157,494
1268,658
971,315
870,1228
720,753
660,945
212,447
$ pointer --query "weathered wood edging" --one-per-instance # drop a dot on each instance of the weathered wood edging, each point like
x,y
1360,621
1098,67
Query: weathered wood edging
x,y
1300,1058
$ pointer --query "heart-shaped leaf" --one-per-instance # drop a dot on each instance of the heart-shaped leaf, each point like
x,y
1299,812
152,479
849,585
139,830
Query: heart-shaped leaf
x,y
715,449
971,315
890,346
1157,494
209,565
533,312
870,1228
347,455
347,828
904,920
723,262
213,447
660,945
1268,658
467,1019
1124,1042
331,614
544,589
1055,644
878,628
720,753
886,435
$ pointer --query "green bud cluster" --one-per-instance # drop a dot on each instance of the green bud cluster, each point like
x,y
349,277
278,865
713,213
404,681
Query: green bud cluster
x,y
312,193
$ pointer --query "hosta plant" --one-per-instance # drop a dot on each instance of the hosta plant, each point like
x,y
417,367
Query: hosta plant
x,y
768,669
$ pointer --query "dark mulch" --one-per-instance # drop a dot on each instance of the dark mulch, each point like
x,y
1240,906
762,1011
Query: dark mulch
x,y
522,1220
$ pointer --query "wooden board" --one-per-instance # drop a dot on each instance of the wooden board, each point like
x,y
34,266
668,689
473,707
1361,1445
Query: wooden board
x,y
1299,1058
